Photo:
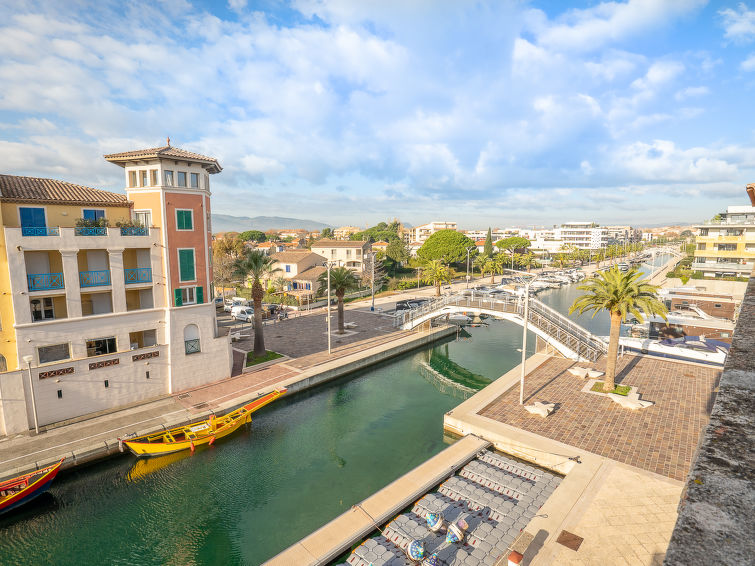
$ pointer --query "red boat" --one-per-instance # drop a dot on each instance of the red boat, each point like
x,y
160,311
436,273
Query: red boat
x,y
20,490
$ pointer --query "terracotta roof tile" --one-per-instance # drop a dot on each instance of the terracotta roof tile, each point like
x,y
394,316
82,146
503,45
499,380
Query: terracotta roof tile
x,y
310,274
162,152
293,256
14,188
339,244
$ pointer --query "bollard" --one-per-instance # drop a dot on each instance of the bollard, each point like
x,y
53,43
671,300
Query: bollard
x,y
515,558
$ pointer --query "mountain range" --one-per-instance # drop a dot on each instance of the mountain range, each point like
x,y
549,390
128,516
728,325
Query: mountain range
x,y
227,223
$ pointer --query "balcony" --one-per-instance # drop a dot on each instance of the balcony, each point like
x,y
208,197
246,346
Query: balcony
x,y
45,281
94,278
138,275
90,231
134,231
39,231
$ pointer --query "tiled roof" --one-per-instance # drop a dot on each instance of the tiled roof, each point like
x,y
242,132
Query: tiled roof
x,y
339,244
162,152
310,274
35,189
293,256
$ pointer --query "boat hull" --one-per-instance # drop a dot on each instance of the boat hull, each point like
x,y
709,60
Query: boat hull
x,y
36,484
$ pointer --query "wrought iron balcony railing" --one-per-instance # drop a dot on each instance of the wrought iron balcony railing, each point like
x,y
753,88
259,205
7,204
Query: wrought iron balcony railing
x,y
40,231
94,278
45,281
134,231
138,275
90,231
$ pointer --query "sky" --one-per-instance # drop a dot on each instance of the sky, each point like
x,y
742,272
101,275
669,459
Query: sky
x,y
351,112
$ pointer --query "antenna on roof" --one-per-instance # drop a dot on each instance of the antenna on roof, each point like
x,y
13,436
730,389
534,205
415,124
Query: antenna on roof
x,y
168,141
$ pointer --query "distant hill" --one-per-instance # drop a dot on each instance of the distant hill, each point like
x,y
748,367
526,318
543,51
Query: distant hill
x,y
227,223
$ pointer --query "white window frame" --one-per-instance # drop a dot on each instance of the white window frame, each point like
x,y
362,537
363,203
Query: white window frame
x,y
192,219
172,177
115,341
146,211
191,176
178,183
42,300
178,258
191,289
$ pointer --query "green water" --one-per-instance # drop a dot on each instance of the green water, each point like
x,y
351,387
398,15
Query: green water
x,y
305,460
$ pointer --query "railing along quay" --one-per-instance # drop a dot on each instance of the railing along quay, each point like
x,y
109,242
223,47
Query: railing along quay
x,y
540,315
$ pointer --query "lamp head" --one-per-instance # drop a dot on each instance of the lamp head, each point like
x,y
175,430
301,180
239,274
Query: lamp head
x,y
28,359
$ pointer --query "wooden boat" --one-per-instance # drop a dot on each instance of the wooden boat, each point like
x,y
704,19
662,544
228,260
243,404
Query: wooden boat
x,y
20,490
195,434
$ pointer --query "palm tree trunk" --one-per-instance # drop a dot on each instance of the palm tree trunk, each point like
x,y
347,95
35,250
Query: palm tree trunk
x,y
613,352
437,287
492,276
340,313
259,338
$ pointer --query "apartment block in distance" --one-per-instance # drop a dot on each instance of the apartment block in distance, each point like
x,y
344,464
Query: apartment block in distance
x,y
725,246
105,295
348,253
422,233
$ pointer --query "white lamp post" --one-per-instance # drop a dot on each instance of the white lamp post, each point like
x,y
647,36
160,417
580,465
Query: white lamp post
x,y
468,250
524,330
28,360
328,265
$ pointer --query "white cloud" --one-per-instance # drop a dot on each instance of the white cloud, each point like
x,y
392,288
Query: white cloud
x,y
749,63
739,23
691,92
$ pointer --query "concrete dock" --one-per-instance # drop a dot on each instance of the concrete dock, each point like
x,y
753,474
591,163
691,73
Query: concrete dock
x,y
97,437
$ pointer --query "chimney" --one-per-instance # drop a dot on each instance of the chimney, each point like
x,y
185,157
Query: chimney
x,y
751,193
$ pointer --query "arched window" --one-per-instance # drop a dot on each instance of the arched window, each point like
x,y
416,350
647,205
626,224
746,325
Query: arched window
x,y
3,365
191,339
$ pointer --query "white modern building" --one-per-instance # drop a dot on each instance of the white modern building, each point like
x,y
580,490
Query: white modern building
x,y
348,253
422,233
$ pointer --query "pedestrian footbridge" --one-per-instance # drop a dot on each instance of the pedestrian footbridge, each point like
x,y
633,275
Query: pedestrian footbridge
x,y
557,330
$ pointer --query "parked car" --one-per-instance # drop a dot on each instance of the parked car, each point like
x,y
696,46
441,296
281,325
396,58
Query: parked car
x,y
219,302
229,305
242,313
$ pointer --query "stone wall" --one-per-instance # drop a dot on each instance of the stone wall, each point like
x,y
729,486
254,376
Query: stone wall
x,y
717,512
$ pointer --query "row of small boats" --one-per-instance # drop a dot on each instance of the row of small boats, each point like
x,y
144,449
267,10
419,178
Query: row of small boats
x,y
22,489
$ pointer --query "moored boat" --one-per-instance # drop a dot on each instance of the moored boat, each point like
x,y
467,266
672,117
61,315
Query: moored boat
x,y
195,434
22,489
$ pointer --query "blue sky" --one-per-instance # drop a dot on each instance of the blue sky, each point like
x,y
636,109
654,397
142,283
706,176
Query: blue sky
x,y
488,113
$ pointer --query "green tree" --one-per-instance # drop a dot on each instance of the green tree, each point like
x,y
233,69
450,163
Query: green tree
x,y
435,271
225,252
448,246
326,233
619,294
527,260
253,236
342,279
480,262
256,265
398,252
488,249
512,245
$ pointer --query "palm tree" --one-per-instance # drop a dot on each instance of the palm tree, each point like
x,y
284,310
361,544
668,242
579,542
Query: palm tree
x,y
256,265
437,273
341,280
527,260
480,263
491,265
618,293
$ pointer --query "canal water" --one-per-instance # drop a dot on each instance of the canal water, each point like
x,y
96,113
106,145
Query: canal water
x,y
305,460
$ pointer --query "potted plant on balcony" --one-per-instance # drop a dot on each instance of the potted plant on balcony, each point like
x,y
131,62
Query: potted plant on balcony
x,y
91,227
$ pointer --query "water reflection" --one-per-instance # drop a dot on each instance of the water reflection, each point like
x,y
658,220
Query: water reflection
x,y
448,376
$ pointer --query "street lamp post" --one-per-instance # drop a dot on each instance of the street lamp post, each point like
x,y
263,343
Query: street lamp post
x,y
328,264
468,250
524,331
372,280
28,360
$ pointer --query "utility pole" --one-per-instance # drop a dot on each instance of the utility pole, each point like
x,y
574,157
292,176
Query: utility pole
x,y
28,360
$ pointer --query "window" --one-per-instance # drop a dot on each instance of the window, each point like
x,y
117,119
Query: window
x,y
288,268
188,296
186,265
169,178
727,247
32,217
194,180
144,217
153,177
42,309
92,214
132,178
700,246
191,339
717,305
53,353
143,178
359,252
703,231
100,346
348,253
142,339
184,219
181,178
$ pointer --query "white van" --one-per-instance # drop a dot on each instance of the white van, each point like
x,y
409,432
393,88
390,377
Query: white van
x,y
242,313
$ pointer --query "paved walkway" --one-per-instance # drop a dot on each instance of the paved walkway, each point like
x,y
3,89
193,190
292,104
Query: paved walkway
x,y
661,439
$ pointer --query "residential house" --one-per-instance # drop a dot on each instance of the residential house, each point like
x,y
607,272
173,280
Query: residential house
x,y
348,253
344,232
301,269
422,233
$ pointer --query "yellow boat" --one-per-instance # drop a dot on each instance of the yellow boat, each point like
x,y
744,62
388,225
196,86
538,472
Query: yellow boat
x,y
201,432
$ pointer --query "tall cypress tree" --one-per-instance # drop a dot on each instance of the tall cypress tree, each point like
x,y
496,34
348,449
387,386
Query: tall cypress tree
x,y
488,249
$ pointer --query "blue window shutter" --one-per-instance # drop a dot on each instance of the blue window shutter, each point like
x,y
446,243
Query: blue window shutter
x,y
32,217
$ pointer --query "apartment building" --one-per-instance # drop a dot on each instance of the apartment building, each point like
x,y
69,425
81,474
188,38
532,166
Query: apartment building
x,y
725,246
105,295
350,253
344,232
583,235
422,233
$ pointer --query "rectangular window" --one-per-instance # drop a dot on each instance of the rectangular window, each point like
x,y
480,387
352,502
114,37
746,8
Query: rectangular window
x,y
100,346
359,252
184,219
144,218
700,246
54,353
348,253
194,180
727,247
207,182
42,309
132,178
703,231
181,178
153,177
169,178
188,295
288,268
92,214
186,265
32,217
143,177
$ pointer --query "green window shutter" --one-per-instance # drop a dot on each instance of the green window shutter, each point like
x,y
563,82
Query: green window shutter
x,y
186,265
178,297
183,218
200,295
